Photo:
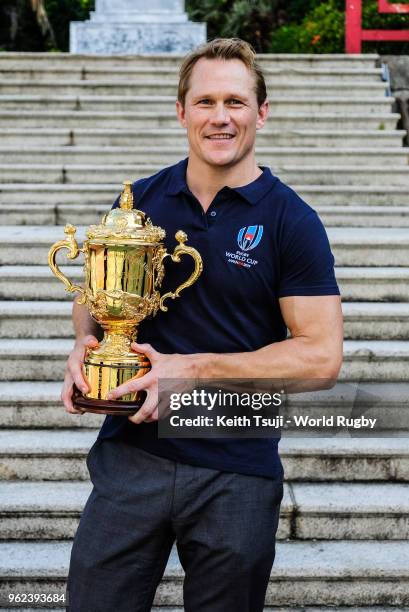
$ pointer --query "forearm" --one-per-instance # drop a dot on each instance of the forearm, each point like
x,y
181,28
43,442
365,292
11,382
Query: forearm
x,y
83,323
294,358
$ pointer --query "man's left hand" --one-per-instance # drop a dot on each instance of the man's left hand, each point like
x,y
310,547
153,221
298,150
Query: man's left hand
x,y
164,366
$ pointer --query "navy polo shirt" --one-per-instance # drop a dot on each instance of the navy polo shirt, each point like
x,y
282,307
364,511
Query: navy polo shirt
x,y
258,243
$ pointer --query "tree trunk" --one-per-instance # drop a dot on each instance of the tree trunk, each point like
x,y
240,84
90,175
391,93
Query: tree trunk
x,y
43,22
12,13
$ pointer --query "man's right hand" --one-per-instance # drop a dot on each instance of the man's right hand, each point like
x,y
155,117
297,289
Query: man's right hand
x,y
74,373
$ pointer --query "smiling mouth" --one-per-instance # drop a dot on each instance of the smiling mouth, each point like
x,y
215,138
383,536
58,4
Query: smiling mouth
x,y
220,136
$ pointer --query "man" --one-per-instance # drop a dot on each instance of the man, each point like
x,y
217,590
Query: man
x,y
219,499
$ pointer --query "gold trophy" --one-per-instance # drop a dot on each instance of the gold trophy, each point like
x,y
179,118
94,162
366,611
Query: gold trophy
x,y
124,270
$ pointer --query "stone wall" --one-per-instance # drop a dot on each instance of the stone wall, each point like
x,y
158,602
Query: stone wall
x,y
399,74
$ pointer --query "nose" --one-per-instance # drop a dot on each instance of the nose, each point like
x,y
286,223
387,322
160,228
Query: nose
x,y
220,115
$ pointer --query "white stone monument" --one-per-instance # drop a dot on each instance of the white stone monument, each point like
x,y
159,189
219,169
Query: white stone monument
x,y
136,27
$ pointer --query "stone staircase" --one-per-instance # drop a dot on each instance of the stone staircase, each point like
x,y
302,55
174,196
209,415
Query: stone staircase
x,y
72,128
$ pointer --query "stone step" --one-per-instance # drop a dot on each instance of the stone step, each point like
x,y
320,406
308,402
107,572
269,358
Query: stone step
x,y
368,180
63,137
51,511
45,454
281,104
375,360
105,62
45,72
36,201
332,216
31,243
38,283
386,402
322,511
166,155
371,246
304,573
345,459
378,284
40,510
352,246
340,511
45,359
133,120
52,455
373,176
37,405
329,510
340,216
49,214
353,195
36,319
388,284
151,86
362,320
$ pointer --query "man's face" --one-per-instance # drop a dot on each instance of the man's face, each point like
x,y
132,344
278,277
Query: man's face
x,y
221,112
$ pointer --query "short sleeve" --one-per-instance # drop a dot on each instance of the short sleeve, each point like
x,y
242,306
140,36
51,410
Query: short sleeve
x,y
307,264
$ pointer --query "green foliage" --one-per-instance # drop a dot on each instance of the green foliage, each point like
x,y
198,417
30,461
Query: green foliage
x,y
61,12
294,26
373,20
321,31
296,10
19,30
252,20
279,26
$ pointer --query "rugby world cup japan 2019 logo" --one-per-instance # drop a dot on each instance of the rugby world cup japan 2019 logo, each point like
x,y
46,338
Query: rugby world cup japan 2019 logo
x,y
248,239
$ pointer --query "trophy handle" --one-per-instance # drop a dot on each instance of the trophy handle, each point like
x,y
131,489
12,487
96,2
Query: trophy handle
x,y
182,249
71,244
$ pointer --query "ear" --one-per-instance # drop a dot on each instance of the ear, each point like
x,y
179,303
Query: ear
x,y
262,115
180,111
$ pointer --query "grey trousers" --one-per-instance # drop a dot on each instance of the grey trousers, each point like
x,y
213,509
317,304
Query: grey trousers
x,y
224,525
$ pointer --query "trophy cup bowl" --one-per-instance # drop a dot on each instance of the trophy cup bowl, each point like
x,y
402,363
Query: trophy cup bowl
x,y
124,270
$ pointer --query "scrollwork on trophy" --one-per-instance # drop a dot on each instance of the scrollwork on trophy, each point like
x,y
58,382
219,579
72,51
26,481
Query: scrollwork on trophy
x,y
130,307
158,267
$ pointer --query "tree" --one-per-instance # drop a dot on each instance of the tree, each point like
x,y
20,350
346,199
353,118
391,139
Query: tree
x,y
38,7
252,20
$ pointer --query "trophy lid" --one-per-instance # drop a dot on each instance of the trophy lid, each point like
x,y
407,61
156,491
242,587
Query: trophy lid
x,y
126,222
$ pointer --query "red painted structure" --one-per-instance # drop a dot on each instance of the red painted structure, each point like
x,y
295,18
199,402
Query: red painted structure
x,y
354,34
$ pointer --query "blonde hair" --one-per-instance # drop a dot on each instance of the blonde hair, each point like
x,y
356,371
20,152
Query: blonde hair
x,y
226,49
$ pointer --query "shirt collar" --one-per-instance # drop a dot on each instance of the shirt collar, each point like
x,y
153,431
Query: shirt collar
x,y
251,193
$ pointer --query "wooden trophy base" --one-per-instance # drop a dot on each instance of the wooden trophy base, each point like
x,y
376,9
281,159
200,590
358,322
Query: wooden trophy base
x,y
113,407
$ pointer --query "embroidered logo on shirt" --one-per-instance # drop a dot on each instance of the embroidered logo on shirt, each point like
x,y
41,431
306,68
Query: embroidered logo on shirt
x,y
249,237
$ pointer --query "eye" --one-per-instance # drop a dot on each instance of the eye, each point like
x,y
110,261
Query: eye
x,y
234,101
204,101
